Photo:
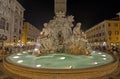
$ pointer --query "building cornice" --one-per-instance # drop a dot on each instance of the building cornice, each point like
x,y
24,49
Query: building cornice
x,y
20,5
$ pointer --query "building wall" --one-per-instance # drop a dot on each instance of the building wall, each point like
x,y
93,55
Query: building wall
x,y
113,29
104,33
12,14
30,33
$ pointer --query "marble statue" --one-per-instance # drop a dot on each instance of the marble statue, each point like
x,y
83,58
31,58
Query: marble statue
x,y
60,35
76,30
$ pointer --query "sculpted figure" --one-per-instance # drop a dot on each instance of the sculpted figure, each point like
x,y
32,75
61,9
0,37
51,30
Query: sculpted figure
x,y
67,27
45,30
58,36
76,30
70,19
77,33
67,31
44,37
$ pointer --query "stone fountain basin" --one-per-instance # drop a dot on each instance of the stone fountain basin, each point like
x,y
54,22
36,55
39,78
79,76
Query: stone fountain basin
x,y
61,65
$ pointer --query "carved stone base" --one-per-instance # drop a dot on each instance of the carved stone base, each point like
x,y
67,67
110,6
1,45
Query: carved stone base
x,y
79,50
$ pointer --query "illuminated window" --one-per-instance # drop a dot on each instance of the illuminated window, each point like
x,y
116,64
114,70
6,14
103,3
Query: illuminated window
x,y
111,43
109,33
117,43
116,33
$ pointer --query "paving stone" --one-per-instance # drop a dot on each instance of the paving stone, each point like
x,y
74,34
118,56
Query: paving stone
x,y
8,78
118,74
1,60
111,78
1,73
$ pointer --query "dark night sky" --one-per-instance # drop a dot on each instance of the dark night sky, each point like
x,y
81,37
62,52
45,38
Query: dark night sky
x,y
87,12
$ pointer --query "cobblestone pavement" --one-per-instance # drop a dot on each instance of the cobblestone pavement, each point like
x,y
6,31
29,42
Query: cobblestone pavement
x,y
4,74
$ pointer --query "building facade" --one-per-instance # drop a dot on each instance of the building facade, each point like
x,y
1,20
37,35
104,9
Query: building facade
x,y
29,34
11,21
104,33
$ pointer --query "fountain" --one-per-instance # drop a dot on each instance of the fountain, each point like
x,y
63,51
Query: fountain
x,y
58,36
61,52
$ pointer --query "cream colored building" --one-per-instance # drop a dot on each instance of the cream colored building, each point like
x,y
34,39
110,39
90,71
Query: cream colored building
x,y
11,20
29,34
104,33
